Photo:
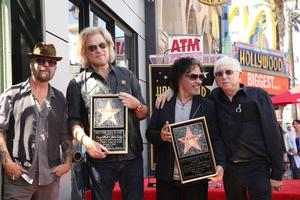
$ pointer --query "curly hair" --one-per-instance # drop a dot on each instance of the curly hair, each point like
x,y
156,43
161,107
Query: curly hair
x,y
180,67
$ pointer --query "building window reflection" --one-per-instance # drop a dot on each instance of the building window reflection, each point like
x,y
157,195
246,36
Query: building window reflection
x,y
73,35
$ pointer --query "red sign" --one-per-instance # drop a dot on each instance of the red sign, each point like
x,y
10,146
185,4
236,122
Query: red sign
x,y
272,84
185,44
120,49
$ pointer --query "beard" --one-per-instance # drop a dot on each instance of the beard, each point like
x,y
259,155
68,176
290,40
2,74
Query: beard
x,y
42,76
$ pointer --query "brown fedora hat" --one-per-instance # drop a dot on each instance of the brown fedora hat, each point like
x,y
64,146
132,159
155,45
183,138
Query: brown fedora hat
x,y
44,50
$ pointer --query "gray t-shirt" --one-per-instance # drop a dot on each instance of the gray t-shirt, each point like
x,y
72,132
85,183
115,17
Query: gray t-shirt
x,y
182,113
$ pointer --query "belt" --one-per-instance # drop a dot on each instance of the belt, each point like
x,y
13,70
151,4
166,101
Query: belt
x,y
239,161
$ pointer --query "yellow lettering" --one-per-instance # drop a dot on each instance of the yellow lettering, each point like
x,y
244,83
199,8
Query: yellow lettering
x,y
160,90
248,58
280,65
271,64
242,57
265,61
259,62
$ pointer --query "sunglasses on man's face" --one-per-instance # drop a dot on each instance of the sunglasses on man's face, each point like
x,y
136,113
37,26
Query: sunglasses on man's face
x,y
194,77
42,61
93,47
228,72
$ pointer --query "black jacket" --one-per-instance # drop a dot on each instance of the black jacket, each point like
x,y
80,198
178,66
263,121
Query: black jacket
x,y
79,92
249,127
165,153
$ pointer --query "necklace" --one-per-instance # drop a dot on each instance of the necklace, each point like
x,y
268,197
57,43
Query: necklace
x,y
184,103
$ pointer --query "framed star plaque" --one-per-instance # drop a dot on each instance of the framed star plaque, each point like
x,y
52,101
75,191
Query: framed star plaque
x,y
108,124
193,150
159,82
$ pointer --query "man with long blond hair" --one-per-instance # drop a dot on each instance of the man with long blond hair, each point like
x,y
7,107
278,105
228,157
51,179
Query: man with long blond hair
x,y
96,53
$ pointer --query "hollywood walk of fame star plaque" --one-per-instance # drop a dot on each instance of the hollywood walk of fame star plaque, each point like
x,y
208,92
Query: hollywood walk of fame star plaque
x,y
109,123
193,150
159,81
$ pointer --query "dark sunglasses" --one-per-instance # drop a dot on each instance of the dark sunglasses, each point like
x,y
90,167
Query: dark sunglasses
x,y
93,47
42,61
228,72
194,77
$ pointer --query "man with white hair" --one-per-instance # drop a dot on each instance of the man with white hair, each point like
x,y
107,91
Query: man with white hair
x,y
251,135
248,126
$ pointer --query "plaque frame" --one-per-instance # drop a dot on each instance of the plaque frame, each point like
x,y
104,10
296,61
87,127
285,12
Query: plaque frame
x,y
109,103
199,154
158,84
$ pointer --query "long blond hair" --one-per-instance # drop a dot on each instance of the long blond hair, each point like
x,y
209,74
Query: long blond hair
x,y
81,44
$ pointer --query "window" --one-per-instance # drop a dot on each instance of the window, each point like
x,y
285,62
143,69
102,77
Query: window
x,y
124,46
25,34
125,38
73,36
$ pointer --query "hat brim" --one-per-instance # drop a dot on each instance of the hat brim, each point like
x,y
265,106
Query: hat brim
x,y
31,56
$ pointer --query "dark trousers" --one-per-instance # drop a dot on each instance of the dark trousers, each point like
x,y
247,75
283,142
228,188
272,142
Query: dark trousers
x,y
252,178
103,176
175,191
21,190
295,171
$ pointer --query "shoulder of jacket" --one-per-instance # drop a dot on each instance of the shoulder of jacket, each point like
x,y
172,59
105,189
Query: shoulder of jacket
x,y
255,90
208,101
122,69
58,92
79,77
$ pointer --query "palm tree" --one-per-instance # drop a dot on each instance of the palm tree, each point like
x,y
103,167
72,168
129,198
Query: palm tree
x,y
293,17
293,23
278,9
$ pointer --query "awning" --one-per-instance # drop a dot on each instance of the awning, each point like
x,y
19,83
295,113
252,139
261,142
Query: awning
x,y
289,97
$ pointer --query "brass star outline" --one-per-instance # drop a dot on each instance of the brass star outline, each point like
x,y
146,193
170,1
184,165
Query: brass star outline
x,y
108,113
190,140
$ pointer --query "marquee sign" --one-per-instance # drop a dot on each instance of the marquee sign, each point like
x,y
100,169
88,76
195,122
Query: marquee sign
x,y
274,85
213,2
265,59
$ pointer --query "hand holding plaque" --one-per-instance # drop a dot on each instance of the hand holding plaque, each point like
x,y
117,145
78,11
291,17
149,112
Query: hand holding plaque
x,y
109,123
193,150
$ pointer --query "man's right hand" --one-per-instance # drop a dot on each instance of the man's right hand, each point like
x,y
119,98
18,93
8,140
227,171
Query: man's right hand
x,y
161,100
165,134
12,169
94,149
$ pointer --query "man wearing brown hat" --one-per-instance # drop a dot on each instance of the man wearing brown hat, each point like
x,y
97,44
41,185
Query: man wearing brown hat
x,y
33,128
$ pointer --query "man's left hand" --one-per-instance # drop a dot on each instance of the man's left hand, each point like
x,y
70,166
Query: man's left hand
x,y
276,184
219,174
62,169
128,100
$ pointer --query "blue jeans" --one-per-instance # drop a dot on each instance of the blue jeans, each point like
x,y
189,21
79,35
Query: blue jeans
x,y
130,174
